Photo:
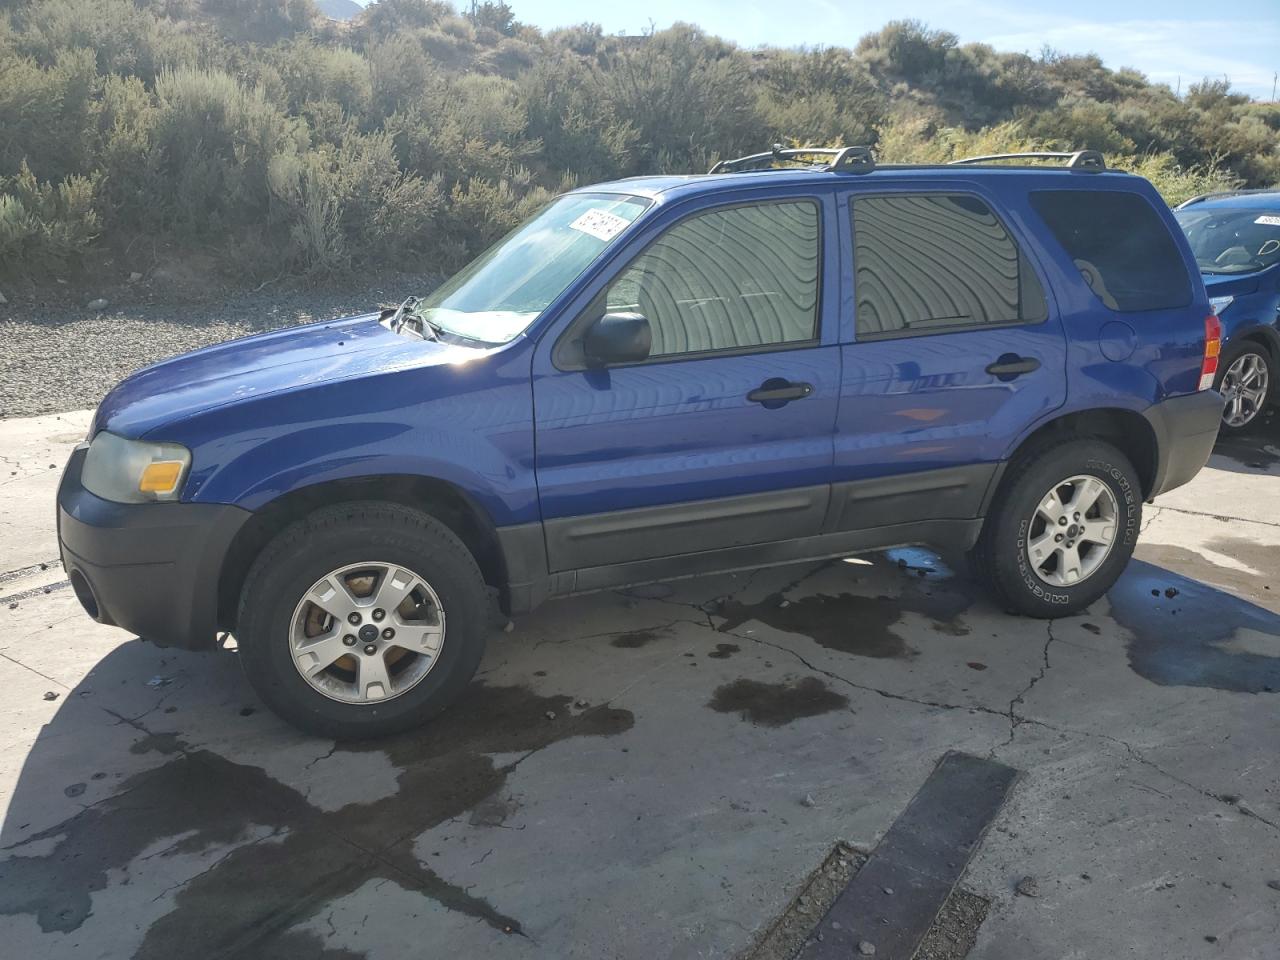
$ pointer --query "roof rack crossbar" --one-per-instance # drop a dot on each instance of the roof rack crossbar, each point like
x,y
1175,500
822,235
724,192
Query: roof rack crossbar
x,y
851,159
1077,160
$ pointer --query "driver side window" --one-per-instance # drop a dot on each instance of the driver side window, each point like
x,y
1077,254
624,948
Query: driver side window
x,y
728,280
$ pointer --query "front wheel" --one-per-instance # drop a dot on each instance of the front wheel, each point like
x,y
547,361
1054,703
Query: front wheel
x,y
362,619
1245,382
1062,528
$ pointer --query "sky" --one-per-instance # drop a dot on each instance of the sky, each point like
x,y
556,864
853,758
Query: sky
x,y
1165,39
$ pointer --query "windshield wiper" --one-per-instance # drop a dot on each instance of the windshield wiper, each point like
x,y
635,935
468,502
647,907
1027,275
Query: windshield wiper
x,y
405,313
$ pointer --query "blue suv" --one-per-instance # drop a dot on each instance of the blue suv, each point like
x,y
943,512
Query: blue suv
x,y
798,356
1235,238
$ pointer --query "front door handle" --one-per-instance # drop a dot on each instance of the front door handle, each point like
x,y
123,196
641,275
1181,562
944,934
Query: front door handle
x,y
1010,365
776,392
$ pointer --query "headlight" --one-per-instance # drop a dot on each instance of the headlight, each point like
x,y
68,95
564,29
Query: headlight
x,y
1218,304
134,471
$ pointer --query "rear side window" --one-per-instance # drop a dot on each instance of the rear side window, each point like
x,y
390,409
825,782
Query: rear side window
x,y
740,278
930,262
1120,245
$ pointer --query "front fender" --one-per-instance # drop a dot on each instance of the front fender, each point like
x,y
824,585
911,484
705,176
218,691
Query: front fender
x,y
469,425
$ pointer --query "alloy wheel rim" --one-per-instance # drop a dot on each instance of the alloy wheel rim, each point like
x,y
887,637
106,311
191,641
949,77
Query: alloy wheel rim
x,y
367,632
1072,531
1244,386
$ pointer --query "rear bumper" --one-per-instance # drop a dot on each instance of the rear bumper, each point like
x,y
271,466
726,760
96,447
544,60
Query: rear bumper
x,y
1186,429
150,568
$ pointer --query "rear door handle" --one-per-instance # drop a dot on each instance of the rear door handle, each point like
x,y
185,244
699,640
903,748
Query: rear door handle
x,y
776,392
1010,365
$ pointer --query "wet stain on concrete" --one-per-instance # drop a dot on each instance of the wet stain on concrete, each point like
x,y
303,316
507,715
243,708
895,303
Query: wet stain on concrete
x,y
847,622
165,743
1251,583
634,639
1186,639
1252,450
245,902
776,704
724,651
862,625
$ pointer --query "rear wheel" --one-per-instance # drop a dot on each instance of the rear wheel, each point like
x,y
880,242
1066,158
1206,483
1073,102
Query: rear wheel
x,y
1062,529
362,619
1245,381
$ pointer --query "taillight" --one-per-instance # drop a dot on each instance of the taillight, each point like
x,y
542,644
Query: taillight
x,y
1212,346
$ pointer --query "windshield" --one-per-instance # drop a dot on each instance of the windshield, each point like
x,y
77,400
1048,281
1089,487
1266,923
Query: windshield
x,y
1227,241
497,295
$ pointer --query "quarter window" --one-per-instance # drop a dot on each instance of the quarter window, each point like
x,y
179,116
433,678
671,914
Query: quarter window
x,y
729,279
1120,245
930,262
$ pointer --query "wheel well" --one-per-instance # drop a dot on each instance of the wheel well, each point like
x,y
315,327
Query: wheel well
x,y
1260,337
1126,430
442,500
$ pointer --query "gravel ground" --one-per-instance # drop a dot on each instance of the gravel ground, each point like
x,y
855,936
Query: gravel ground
x,y
951,936
66,358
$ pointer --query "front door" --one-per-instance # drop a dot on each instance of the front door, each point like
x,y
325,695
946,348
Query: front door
x,y
723,436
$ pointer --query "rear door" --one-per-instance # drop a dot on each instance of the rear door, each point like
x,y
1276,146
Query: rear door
x,y
724,436
953,347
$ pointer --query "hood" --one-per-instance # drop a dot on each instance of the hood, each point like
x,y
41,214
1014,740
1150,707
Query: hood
x,y
261,365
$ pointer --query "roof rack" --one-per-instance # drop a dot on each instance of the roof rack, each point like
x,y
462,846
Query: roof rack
x,y
1090,160
849,159
1227,193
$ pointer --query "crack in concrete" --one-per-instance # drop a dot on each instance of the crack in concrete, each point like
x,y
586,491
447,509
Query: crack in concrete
x,y
1020,698
1152,511
324,756
19,663
213,866
1224,517
1015,718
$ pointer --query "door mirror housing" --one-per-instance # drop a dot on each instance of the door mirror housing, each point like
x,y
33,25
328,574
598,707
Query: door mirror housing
x,y
617,338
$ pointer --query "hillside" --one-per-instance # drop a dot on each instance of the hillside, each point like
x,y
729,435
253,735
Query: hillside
x,y
261,138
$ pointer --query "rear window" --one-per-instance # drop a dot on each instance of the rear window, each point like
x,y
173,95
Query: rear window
x,y
1121,246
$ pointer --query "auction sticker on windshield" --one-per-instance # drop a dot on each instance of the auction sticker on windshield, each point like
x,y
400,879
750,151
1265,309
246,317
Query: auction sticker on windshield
x,y
600,224
1268,219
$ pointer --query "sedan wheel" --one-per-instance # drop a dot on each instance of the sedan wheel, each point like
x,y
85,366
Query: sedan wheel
x,y
1245,386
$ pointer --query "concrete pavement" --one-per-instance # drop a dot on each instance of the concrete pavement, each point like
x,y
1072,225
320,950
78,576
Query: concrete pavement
x,y
656,773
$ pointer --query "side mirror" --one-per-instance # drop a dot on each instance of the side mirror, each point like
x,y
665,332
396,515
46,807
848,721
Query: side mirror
x,y
617,338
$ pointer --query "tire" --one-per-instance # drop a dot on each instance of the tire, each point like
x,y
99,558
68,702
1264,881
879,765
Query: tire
x,y
447,602
1003,554
1250,359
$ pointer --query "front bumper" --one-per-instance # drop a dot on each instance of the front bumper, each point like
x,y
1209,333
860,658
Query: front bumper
x,y
150,568
1186,429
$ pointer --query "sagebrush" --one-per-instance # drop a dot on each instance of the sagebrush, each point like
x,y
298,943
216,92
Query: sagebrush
x,y
415,135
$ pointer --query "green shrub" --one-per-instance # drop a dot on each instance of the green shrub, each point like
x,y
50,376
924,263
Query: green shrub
x,y
257,131
311,73
43,227
47,114
683,92
121,36
351,204
212,142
